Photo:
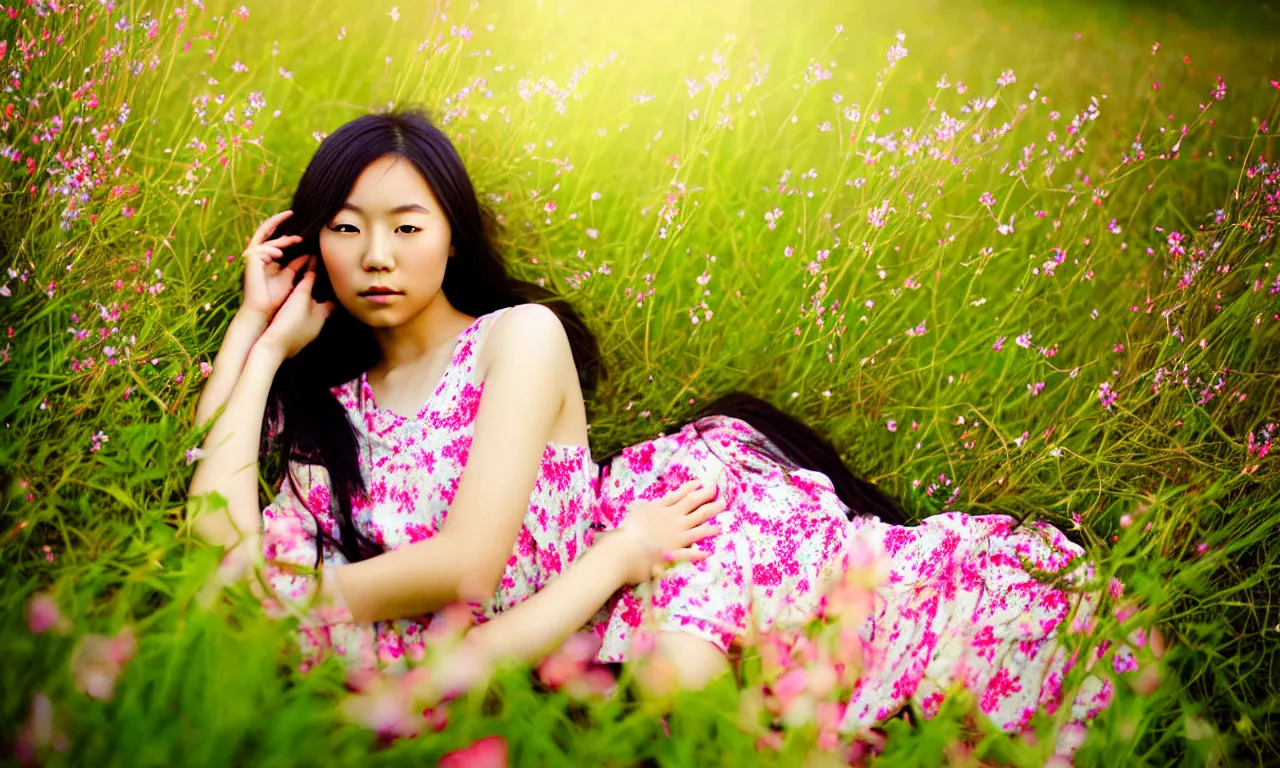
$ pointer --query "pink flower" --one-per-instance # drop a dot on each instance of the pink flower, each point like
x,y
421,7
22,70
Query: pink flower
x,y
891,425
569,667
385,707
1105,396
569,659
595,682
489,752
42,613
98,660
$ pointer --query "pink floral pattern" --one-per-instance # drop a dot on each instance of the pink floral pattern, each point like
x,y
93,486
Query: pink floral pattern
x,y
958,607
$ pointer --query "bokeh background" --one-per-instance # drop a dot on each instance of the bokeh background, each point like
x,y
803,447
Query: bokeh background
x,y
1012,257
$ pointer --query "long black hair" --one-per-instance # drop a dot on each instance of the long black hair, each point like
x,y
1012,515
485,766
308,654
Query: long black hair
x,y
312,425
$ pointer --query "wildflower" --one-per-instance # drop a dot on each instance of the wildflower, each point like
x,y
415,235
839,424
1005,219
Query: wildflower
x,y
1106,396
194,454
385,706
43,614
1220,91
999,345
891,425
489,752
879,216
569,667
987,199
98,660
896,52
1024,340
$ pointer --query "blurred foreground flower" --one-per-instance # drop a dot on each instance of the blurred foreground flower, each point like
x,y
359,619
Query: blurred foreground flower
x,y
398,704
569,668
97,661
808,674
489,752
43,615
385,705
38,732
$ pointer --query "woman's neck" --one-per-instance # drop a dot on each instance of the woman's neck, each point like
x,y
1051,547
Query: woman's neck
x,y
410,344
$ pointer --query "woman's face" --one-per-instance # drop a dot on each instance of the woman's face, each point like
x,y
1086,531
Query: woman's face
x,y
390,233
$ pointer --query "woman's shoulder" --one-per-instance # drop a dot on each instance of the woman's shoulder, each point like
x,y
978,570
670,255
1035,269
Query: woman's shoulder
x,y
534,328
528,336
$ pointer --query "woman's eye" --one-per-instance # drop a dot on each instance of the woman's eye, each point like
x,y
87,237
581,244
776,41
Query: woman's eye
x,y
409,226
339,228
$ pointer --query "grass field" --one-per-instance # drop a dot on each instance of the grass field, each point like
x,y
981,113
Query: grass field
x,y
1011,259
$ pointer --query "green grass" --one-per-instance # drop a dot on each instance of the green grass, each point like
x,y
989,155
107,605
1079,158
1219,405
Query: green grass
x,y
1192,365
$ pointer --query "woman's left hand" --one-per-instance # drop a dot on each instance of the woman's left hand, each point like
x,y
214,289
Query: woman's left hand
x,y
664,530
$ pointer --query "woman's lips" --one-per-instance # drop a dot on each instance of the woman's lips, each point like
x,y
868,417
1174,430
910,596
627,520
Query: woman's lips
x,y
381,298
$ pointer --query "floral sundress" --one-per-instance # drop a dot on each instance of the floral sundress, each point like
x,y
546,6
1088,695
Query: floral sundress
x,y
958,605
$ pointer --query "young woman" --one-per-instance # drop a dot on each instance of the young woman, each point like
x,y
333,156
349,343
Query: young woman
x,y
417,492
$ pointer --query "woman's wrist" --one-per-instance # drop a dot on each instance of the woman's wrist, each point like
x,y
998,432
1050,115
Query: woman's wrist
x,y
330,605
630,554
251,320
265,354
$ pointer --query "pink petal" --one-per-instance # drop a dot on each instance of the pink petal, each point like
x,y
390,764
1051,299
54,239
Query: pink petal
x,y
489,752
122,647
42,613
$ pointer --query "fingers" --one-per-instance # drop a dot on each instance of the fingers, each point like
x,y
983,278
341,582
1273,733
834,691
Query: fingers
x,y
701,532
695,499
686,555
267,227
297,265
301,291
705,512
282,242
679,493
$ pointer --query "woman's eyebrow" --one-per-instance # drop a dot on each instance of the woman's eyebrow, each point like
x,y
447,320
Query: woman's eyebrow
x,y
406,208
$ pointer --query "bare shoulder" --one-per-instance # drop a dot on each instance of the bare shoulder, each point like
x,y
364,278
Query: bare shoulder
x,y
529,334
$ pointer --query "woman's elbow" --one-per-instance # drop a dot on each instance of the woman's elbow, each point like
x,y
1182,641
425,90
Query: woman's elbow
x,y
480,579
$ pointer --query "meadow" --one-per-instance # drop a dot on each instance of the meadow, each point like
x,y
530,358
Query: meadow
x,y
1010,258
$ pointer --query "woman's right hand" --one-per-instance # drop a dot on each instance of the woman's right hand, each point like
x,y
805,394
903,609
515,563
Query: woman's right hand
x,y
664,530
267,282
299,319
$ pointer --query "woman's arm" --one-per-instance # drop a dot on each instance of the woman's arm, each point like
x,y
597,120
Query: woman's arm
x,y
230,462
244,330
654,532
534,628
465,560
